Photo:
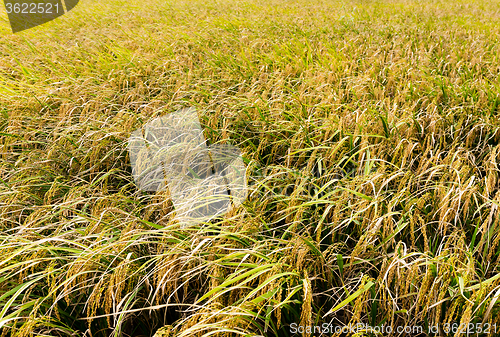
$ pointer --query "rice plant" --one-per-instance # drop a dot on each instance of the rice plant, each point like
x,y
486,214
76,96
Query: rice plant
x,y
371,139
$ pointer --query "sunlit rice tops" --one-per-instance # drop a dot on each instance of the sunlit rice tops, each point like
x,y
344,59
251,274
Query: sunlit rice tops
x,y
370,135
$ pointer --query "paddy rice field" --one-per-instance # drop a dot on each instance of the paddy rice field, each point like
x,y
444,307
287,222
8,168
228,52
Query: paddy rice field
x,y
371,139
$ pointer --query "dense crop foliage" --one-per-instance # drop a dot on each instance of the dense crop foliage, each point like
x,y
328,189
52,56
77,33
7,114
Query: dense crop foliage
x,y
371,136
